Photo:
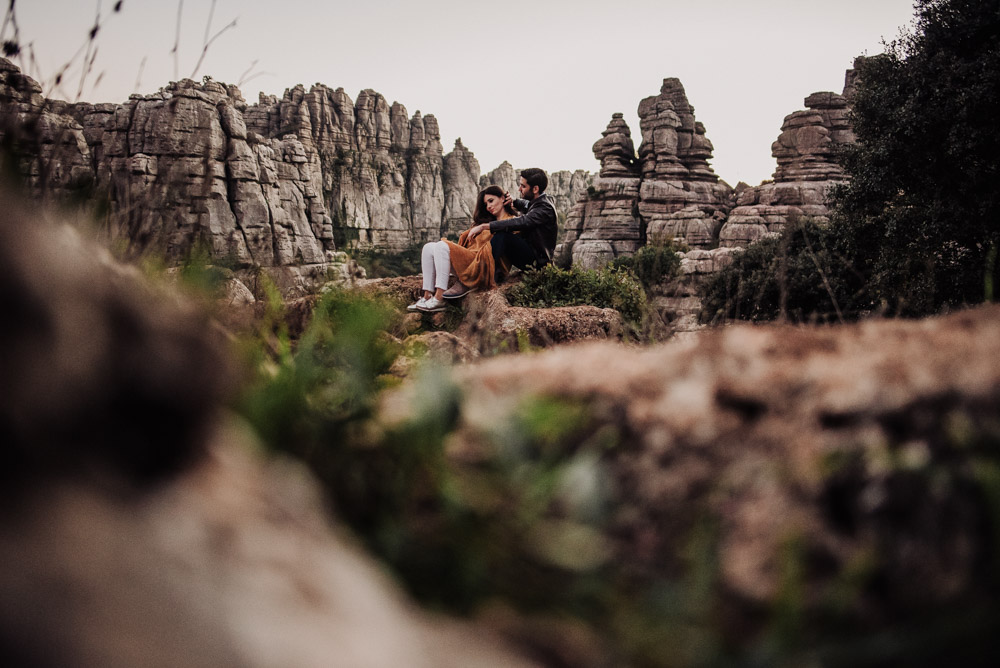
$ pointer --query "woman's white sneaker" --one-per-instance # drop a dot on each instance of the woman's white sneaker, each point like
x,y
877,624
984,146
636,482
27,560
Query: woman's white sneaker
x,y
416,306
431,305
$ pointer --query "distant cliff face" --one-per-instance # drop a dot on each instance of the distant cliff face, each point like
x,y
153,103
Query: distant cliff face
x,y
282,182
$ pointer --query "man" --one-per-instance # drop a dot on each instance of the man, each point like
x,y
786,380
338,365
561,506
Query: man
x,y
538,229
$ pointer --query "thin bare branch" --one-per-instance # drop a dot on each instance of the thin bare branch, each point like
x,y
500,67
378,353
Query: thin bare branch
x,y
138,76
7,18
177,39
208,24
246,76
205,47
246,72
91,52
10,19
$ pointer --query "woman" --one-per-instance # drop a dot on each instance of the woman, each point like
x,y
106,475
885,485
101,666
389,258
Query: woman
x,y
470,261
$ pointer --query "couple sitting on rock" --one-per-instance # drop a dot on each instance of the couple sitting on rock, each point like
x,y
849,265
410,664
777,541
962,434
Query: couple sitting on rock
x,y
499,239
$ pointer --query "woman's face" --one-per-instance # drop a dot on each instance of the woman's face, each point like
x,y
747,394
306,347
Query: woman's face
x,y
493,204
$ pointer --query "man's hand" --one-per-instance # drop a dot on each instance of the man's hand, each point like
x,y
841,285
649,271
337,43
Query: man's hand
x,y
474,232
507,199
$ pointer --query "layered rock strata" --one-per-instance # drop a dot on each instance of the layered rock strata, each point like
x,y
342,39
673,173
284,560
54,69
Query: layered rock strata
x,y
279,183
807,169
666,191
604,222
460,178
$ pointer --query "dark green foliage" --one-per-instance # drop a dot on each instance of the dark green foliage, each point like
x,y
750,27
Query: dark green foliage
x,y
311,392
920,214
796,275
916,228
651,264
605,288
382,264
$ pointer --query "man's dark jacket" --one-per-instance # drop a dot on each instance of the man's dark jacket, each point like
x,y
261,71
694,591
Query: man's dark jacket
x,y
537,226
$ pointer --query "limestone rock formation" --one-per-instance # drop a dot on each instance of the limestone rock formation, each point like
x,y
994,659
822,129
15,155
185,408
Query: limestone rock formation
x,y
41,130
667,191
806,153
681,197
279,183
566,187
603,224
460,176
504,175
604,221
615,149
381,171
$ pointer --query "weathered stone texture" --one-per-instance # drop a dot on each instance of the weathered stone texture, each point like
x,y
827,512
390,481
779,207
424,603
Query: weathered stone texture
x,y
603,224
667,191
460,176
504,175
615,149
681,197
807,169
272,184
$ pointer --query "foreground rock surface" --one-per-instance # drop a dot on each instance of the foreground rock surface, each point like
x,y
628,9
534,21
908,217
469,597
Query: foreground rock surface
x,y
863,446
487,323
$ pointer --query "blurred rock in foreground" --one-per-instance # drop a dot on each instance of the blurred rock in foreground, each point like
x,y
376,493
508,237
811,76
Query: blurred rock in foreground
x,y
138,526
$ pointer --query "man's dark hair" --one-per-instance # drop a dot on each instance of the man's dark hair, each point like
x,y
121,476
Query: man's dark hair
x,y
536,177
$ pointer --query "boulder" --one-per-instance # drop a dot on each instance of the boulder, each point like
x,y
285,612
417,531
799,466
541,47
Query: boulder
x,y
668,191
806,153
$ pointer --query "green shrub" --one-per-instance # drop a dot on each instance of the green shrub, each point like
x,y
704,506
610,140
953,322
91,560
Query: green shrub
x,y
311,391
795,275
651,264
383,264
609,287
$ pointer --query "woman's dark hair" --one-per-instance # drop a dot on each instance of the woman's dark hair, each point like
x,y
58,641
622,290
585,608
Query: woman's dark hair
x,y
481,215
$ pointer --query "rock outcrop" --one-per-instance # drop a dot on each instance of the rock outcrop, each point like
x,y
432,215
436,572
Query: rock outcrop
x,y
806,152
604,222
490,324
281,183
859,458
59,158
503,175
460,177
668,191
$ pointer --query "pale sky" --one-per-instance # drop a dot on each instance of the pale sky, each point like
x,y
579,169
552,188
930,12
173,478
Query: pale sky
x,y
531,83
